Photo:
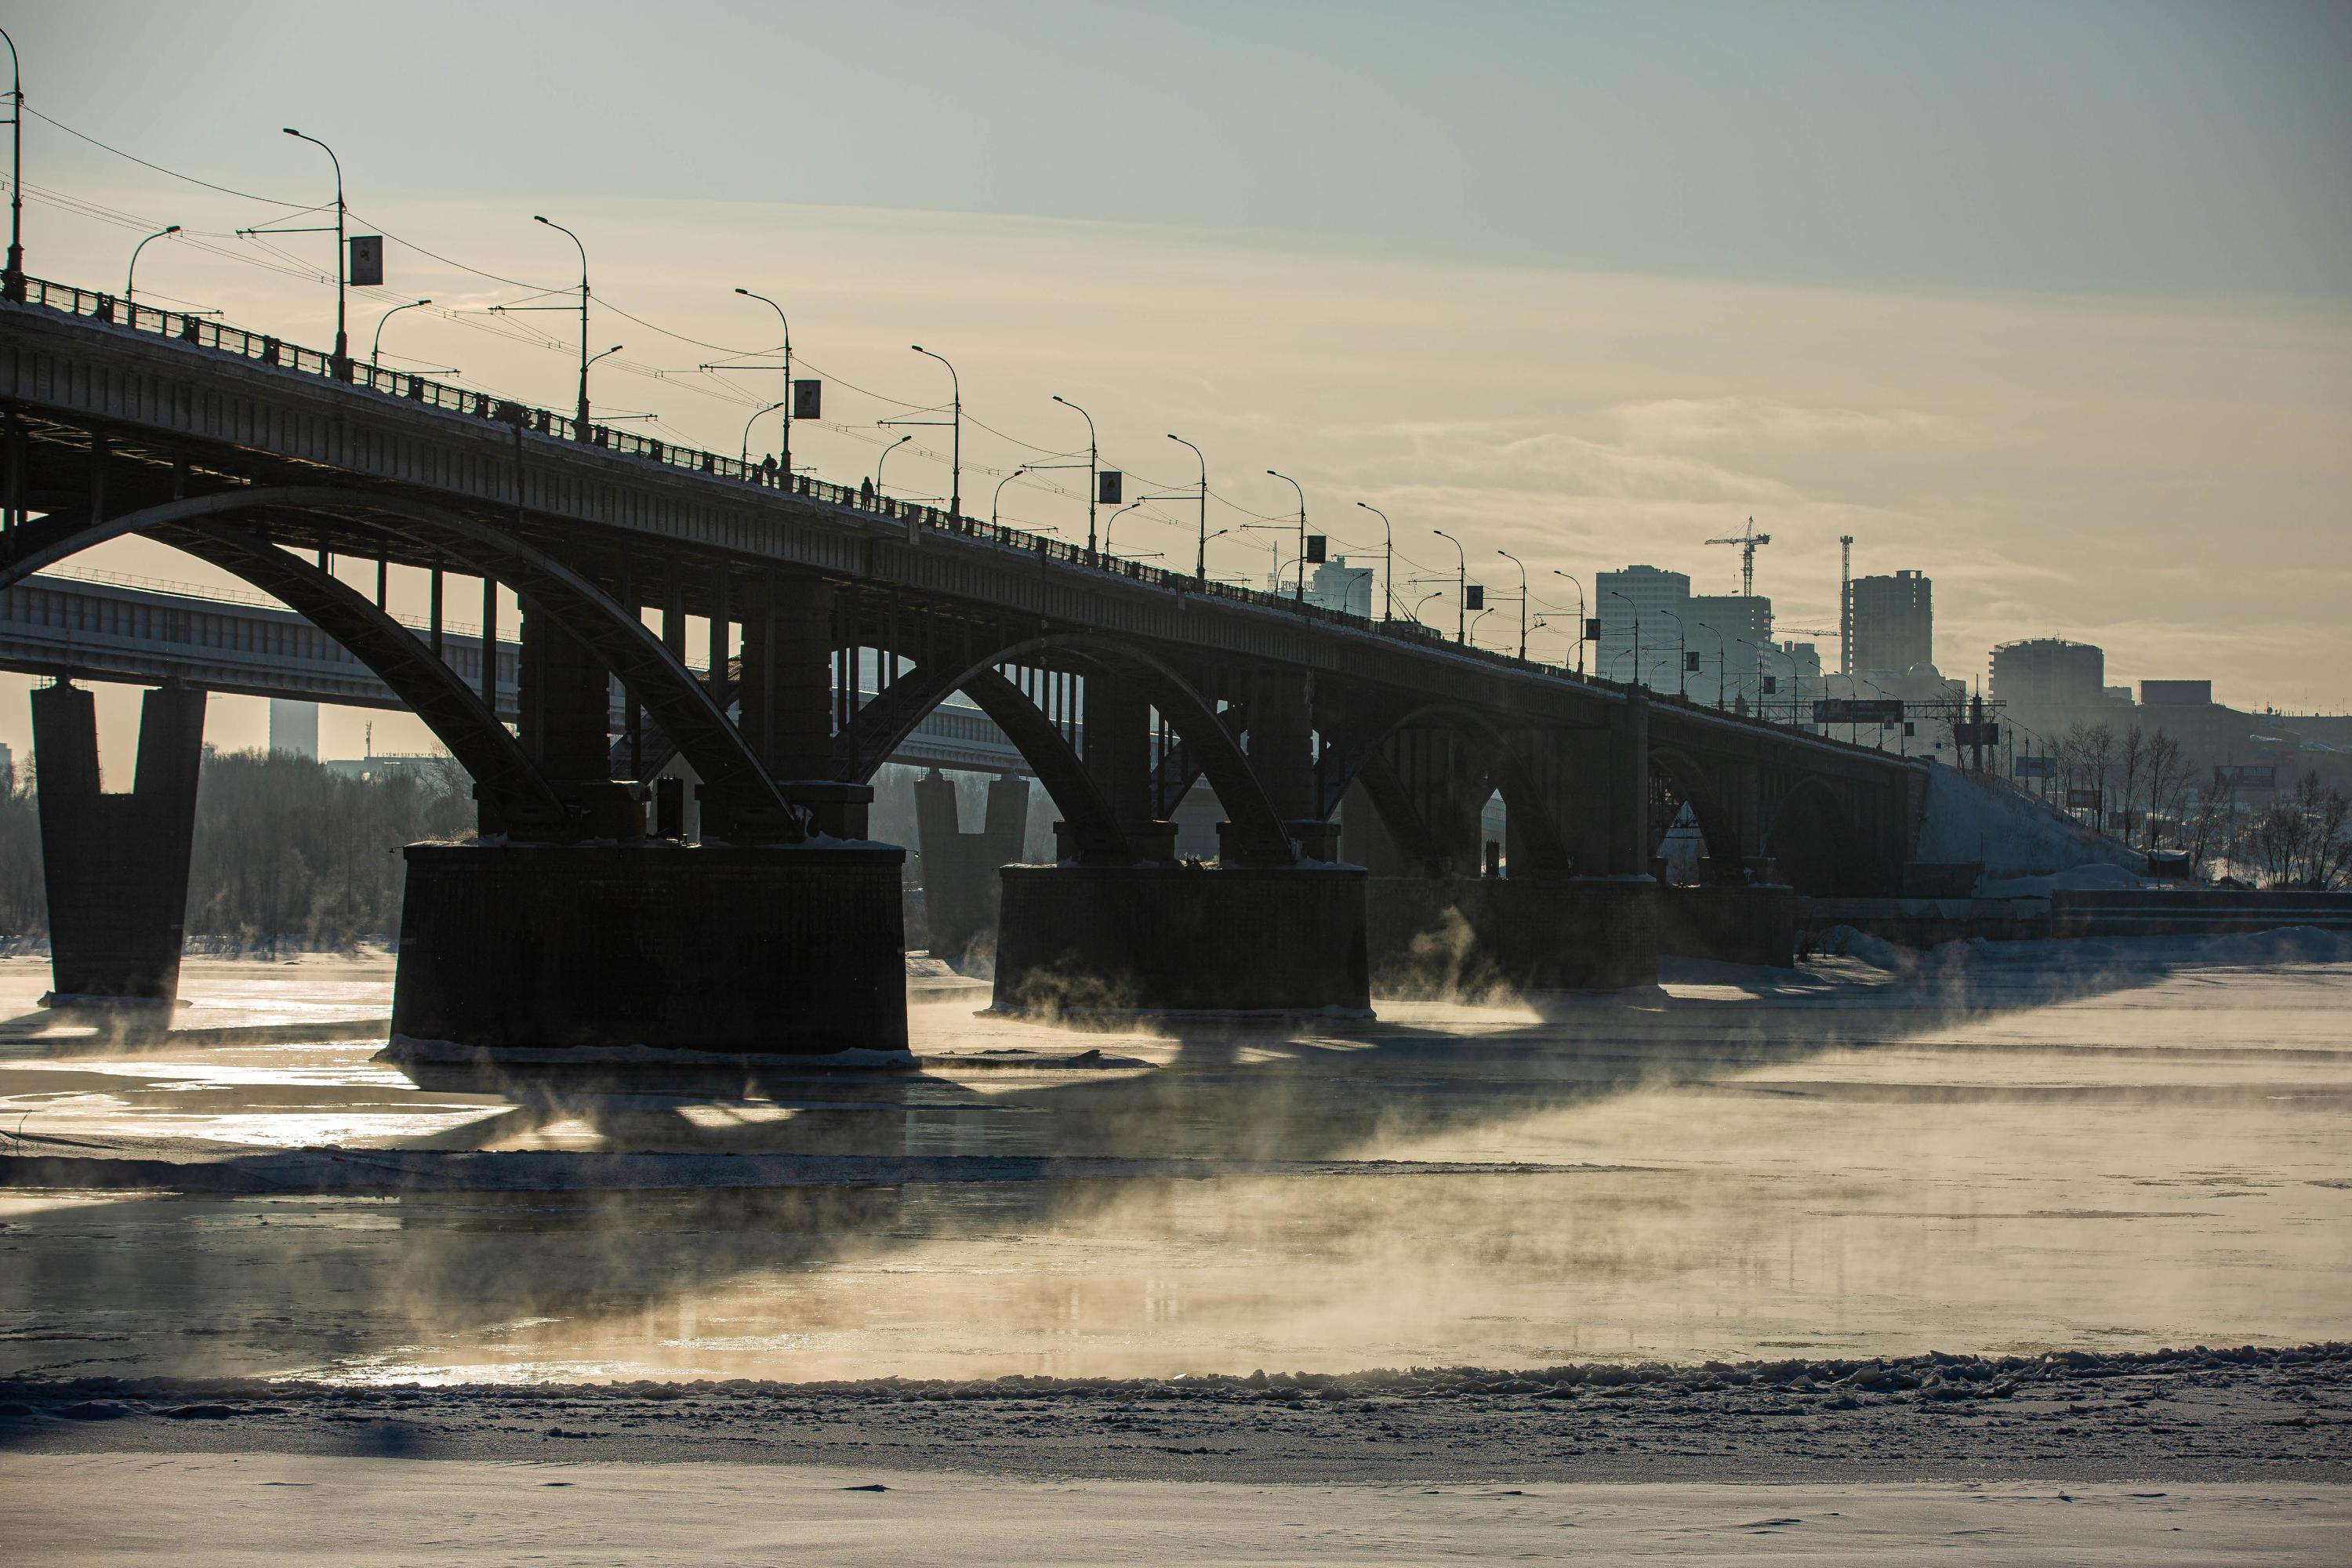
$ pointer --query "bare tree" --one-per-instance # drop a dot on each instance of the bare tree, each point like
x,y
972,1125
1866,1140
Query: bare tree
x,y
2134,758
2168,780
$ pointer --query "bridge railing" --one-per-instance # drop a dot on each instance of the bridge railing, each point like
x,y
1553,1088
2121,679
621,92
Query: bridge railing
x,y
206,332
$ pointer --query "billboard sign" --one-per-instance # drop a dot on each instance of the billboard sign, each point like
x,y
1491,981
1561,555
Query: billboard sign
x,y
2245,775
1474,596
2035,768
1882,711
808,399
367,261
1110,487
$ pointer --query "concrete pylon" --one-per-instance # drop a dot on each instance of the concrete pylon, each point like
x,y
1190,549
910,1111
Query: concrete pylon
x,y
959,880
116,866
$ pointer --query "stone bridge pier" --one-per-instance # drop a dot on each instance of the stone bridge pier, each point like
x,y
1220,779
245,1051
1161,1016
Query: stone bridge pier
x,y
1566,904
116,865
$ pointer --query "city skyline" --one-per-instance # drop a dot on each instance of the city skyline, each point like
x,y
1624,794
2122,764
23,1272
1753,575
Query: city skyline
x,y
2155,466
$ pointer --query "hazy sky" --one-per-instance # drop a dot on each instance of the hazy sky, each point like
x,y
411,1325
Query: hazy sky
x,y
2052,301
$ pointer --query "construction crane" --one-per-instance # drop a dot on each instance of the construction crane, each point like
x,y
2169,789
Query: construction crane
x,y
1748,543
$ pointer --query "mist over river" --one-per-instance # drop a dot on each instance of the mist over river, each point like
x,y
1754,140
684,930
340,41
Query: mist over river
x,y
2027,1147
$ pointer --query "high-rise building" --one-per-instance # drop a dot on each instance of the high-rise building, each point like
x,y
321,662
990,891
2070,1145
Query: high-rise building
x,y
294,727
2049,673
1337,585
1634,608
1894,623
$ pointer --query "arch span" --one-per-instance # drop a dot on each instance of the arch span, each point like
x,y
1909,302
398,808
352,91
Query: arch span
x,y
513,787
1530,818
884,724
1691,782
679,703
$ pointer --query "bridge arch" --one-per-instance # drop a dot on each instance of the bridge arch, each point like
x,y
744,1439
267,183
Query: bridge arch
x,y
1812,840
884,724
678,702
513,786
1506,772
1688,782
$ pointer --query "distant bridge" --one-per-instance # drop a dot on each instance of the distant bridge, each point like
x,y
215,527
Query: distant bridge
x,y
145,633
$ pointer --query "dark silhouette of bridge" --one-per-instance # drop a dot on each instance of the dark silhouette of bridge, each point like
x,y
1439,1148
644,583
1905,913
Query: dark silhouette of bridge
x,y
265,460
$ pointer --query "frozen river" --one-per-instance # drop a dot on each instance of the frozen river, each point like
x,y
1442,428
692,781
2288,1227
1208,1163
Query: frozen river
x,y
2109,1148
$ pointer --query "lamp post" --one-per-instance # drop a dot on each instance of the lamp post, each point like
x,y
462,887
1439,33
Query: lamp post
x,y
1722,658
1461,585
1112,524
1637,636
1388,570
12,281
130,276
1580,617
785,455
1093,462
1414,615
1201,561
997,499
342,340
376,351
1300,598
1682,653
955,438
1523,597
883,458
745,455
579,431
1473,639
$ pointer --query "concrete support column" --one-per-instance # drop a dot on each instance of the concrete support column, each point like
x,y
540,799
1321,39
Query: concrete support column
x,y
960,881
116,866
1118,757
563,695
1628,844
1281,748
787,700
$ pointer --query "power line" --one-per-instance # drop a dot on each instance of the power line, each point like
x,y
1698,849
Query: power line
x,y
175,173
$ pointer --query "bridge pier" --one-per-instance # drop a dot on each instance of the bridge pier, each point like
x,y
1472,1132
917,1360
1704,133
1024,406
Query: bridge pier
x,y
1438,936
509,951
960,884
1111,939
116,866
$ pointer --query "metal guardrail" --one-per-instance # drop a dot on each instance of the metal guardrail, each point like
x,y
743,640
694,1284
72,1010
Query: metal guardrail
x,y
207,334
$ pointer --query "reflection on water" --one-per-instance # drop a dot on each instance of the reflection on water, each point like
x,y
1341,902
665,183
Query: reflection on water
x,y
1729,1167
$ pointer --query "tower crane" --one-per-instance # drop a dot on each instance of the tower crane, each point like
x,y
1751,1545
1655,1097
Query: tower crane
x,y
1748,543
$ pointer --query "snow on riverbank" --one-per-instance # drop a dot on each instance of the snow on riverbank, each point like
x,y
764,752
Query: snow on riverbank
x,y
1971,818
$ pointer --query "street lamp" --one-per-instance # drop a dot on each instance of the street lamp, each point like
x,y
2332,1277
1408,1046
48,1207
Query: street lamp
x,y
1473,639
786,456
1294,484
955,440
579,431
1682,653
1414,615
12,281
745,457
342,274
1722,658
997,499
375,352
1094,461
1523,597
1388,571
131,275
1580,617
1112,524
1461,585
1637,636
1201,561
883,458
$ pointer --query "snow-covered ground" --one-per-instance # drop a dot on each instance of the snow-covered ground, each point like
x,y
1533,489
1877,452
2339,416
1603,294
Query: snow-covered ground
x,y
1973,818
227,1511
